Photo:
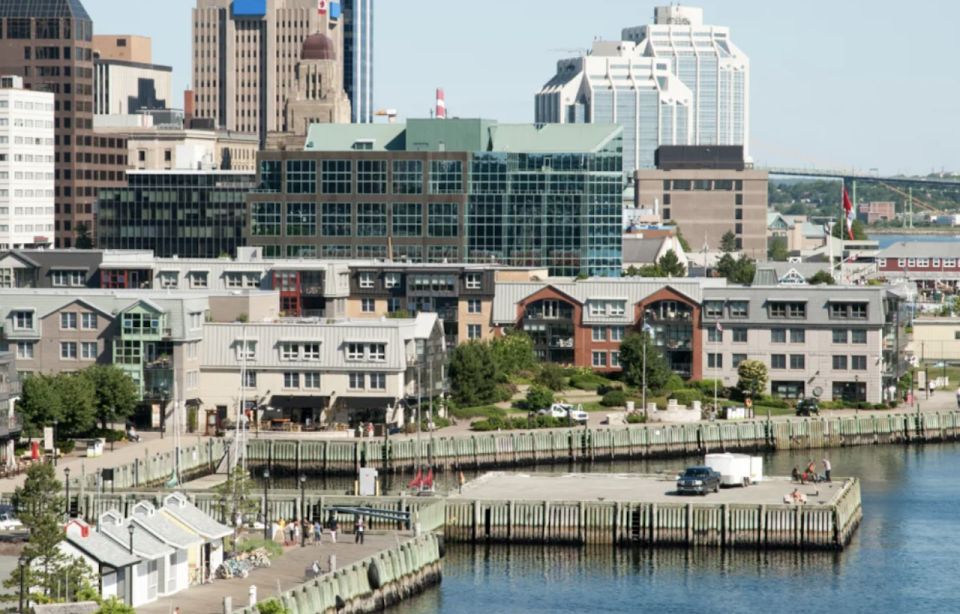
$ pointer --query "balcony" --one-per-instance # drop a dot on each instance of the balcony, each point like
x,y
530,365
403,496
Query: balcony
x,y
561,342
10,425
10,389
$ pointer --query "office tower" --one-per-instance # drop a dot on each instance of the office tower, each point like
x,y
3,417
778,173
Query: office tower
x,y
26,166
48,43
245,56
126,79
358,57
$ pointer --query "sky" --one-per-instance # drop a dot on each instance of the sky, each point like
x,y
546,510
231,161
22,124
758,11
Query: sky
x,y
864,84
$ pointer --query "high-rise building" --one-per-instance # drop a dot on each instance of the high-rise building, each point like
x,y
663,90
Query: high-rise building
x,y
357,18
26,166
245,57
49,44
126,80
675,82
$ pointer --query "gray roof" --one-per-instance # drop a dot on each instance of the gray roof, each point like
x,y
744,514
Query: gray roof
x,y
922,249
641,251
101,548
179,507
772,273
817,299
145,515
145,544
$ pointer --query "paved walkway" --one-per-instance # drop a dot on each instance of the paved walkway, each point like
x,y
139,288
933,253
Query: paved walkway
x,y
284,573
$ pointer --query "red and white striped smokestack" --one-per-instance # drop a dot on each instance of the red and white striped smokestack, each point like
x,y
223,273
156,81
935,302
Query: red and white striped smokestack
x,y
441,105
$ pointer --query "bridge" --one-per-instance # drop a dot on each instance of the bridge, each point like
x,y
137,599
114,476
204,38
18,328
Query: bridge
x,y
851,175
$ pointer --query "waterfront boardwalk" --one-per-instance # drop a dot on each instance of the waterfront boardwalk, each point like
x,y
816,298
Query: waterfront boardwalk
x,y
634,488
285,572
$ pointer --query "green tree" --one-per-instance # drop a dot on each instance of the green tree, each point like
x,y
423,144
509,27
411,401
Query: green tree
x,y
39,404
233,496
552,377
631,360
777,249
84,241
115,394
737,270
77,397
728,242
682,240
538,397
473,374
632,271
670,265
513,352
115,606
753,377
859,230
821,278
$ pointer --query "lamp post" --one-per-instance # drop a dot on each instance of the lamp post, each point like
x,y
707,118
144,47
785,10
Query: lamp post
x,y
66,483
303,510
163,409
130,530
55,421
23,561
266,508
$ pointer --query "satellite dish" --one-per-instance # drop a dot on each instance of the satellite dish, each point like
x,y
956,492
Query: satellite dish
x,y
817,392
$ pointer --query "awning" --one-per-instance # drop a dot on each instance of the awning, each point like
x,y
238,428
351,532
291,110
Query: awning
x,y
298,401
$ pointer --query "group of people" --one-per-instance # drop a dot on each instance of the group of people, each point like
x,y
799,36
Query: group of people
x,y
810,473
292,532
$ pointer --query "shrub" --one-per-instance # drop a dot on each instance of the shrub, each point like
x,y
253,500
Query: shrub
x,y
686,396
636,418
253,543
538,397
585,379
614,398
674,382
490,424
192,416
551,376
67,446
775,402
504,392
705,386
484,411
110,435
272,606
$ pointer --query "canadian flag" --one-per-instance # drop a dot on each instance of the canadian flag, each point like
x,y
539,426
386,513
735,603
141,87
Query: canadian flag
x,y
848,212
441,110
322,7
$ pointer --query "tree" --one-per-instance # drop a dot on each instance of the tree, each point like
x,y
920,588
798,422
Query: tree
x,y
551,377
728,242
115,606
513,352
538,397
683,241
473,374
233,496
753,377
737,270
670,265
115,394
78,406
859,230
39,403
83,236
777,249
821,277
631,360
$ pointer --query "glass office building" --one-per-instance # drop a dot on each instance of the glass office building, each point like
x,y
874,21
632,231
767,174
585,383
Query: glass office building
x,y
189,214
358,58
446,190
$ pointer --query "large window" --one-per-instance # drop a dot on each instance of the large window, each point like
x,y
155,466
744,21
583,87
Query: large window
x,y
371,176
840,335
265,219
407,177
301,176
371,219
858,336
858,363
788,309
778,361
356,381
778,335
301,219
713,309
291,380
739,335
336,219
378,381
446,177
270,179
68,350
337,177
68,321
443,220
22,320
739,309
407,219
839,363
797,361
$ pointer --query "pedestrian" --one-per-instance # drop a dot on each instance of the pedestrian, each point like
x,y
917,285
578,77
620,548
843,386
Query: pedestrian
x,y
461,480
307,529
358,531
333,528
317,532
931,387
295,533
826,469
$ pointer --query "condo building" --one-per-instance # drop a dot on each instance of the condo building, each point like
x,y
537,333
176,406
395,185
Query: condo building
x,y
357,16
126,80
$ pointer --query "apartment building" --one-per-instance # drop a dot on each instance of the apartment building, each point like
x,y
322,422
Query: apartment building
x,y
10,425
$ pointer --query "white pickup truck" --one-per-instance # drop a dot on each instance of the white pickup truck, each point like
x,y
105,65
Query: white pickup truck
x,y
562,411
9,523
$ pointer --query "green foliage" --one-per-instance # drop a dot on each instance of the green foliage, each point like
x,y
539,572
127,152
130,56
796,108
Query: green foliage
x,y
513,353
115,606
551,376
821,277
484,411
686,396
249,544
772,401
78,403
67,446
40,403
273,606
538,397
674,382
473,374
614,398
752,377
115,394
683,241
859,230
518,423
728,242
504,392
586,379
705,386
233,496
737,270
631,360
400,314
192,418
669,265
777,249
636,418
582,277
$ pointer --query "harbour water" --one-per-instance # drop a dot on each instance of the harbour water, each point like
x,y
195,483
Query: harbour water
x,y
903,559
886,241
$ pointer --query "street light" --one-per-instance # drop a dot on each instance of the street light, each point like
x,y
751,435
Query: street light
x,y
303,511
163,409
23,561
55,442
130,530
66,483
266,508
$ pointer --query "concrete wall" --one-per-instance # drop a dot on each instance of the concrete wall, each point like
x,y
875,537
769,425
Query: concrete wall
x,y
936,339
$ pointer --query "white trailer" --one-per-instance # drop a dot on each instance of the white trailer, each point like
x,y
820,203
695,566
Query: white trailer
x,y
734,469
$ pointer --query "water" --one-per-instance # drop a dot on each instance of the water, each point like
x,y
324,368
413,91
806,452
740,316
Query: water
x,y
903,558
886,241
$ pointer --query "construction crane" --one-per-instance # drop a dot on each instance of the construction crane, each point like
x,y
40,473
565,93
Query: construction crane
x,y
910,196
390,114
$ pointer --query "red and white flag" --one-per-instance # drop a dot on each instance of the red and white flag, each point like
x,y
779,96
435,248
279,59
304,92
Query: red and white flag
x,y
441,105
322,7
719,327
848,212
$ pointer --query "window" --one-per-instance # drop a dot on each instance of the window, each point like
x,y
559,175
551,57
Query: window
x,y
168,280
443,220
599,333
740,335
788,309
858,311
858,362
840,335
246,350
356,381
797,361
336,220
301,176
368,305
249,379
407,219
311,379
923,262
839,363
714,335
713,309
301,219
337,176
778,335
446,177
73,279
378,381
367,280
848,311
311,351
371,176
371,220
68,350
241,280
714,361
265,219
858,336
606,308
355,351
289,351
473,305
614,359
599,359
24,350
377,352
778,361
391,280
68,321
196,320
198,279
88,350
737,359
474,331
407,176
616,333
739,309
291,380
472,281
798,335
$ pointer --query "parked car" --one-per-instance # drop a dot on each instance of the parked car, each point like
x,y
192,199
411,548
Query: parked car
x,y
698,481
808,407
562,411
9,523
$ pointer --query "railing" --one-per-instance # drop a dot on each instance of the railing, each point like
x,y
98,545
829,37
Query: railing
x,y
11,424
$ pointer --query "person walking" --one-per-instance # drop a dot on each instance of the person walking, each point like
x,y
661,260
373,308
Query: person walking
x,y
826,469
333,528
317,532
358,531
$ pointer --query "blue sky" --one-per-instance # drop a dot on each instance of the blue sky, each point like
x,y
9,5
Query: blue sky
x,y
837,84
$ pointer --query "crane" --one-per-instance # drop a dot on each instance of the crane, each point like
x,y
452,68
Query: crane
x,y
390,114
